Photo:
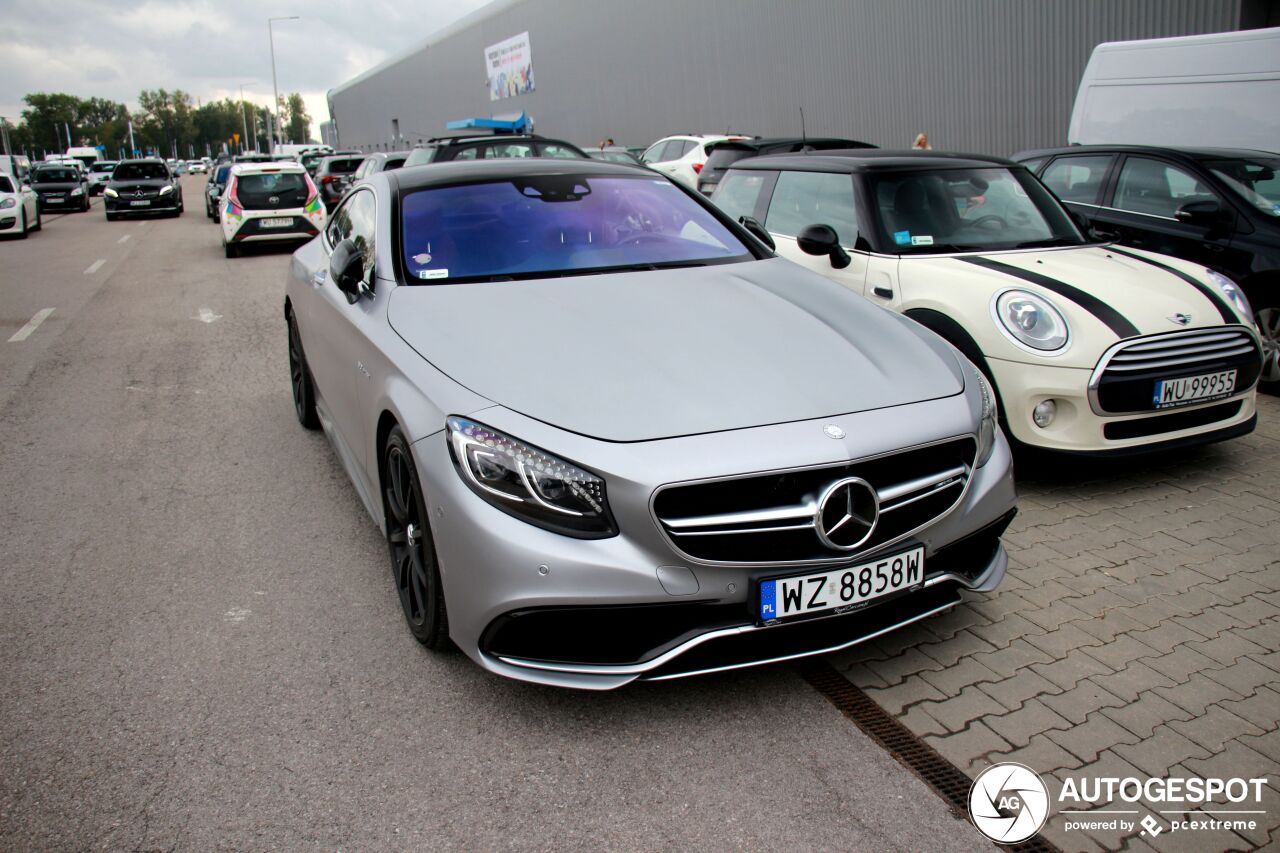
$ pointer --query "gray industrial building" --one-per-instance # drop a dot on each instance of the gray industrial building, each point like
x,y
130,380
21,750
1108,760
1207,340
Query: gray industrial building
x,y
990,76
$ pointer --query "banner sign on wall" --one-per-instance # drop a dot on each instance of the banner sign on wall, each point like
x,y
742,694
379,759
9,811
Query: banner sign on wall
x,y
510,67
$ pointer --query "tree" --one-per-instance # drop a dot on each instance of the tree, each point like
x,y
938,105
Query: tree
x,y
48,116
166,122
298,128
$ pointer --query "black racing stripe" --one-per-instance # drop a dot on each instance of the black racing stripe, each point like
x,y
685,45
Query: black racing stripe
x,y
1228,316
1095,306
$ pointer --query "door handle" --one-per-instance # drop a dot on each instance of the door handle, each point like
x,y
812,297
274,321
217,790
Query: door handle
x,y
318,277
883,292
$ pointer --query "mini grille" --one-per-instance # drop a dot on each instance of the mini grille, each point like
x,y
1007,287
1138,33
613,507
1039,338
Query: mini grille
x,y
1125,378
769,518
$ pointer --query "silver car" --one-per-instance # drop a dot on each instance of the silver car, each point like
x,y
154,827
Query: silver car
x,y
610,436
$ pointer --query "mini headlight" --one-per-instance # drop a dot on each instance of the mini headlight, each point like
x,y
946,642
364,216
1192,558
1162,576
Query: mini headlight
x,y
987,424
166,190
1232,293
110,193
6,203
1031,320
529,483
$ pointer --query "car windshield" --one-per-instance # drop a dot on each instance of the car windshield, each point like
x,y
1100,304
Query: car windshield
x,y
1254,179
420,155
290,188
140,172
965,210
102,167
613,157
539,226
6,186
344,167
53,176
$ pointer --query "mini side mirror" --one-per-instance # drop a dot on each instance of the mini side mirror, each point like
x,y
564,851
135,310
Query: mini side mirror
x,y
1205,212
757,230
346,269
823,240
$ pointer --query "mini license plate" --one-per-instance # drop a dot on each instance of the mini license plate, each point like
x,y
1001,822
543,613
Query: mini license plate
x,y
141,203
284,222
1192,389
840,589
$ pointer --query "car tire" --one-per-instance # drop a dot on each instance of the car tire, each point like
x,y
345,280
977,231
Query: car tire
x,y
85,208
411,546
111,217
39,222
1268,320
304,394
231,250
22,230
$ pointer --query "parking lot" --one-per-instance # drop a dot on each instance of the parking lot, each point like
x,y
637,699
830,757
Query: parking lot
x,y
202,648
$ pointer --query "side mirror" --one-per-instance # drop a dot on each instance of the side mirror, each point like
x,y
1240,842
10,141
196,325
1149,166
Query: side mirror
x,y
757,230
346,269
1206,212
823,240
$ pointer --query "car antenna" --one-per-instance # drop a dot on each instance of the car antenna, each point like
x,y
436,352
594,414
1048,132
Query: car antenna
x,y
804,139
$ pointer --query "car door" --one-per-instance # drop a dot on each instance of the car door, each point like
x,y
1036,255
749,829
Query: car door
x,y
1142,204
1078,181
801,199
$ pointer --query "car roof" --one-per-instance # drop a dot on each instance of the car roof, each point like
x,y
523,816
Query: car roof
x,y
271,168
871,160
144,160
453,172
1197,153
768,141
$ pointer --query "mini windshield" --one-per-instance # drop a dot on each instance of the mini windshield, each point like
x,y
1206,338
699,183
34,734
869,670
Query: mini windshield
x,y
547,225
967,210
55,176
140,172
1256,180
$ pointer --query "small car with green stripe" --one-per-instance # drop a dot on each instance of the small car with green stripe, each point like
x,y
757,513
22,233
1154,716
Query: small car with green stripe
x,y
1093,348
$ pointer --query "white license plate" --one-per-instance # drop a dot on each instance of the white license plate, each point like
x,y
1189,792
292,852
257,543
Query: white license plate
x,y
275,223
1192,389
146,202
841,589
55,200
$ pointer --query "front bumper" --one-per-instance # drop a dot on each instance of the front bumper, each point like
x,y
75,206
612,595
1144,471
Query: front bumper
x,y
158,204
596,614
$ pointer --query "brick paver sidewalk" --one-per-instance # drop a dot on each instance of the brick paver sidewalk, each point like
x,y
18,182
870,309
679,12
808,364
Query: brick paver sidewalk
x,y
1137,634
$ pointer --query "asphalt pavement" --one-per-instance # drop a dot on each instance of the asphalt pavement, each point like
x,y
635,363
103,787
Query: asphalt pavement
x,y
201,647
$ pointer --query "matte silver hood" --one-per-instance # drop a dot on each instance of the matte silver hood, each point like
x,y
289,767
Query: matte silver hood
x,y
645,355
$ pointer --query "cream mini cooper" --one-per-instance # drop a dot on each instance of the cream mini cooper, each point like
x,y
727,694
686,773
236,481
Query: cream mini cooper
x,y
1093,349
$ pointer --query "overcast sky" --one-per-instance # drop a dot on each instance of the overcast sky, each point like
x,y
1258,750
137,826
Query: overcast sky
x,y
116,48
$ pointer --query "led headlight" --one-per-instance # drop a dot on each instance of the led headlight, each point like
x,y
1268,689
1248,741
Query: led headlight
x,y
1031,320
110,193
76,191
529,483
6,203
166,190
1232,293
987,424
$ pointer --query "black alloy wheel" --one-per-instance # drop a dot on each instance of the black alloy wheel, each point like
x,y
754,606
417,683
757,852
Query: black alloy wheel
x,y
411,546
304,396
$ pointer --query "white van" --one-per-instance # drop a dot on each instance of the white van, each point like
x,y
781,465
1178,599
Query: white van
x,y
1219,90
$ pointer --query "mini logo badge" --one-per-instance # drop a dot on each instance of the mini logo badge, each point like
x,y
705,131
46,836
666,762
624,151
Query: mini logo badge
x,y
1008,802
833,431
1180,319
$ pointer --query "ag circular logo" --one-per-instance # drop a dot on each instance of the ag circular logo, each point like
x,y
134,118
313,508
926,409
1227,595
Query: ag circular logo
x,y
1008,802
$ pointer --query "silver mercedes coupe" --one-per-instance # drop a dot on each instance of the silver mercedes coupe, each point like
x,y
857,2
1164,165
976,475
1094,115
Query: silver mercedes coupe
x,y
610,436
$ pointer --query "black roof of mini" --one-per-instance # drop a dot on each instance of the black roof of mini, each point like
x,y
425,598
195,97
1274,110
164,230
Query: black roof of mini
x,y
871,160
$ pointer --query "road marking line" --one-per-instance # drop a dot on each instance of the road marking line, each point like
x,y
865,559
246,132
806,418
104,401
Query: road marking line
x,y
205,315
124,239
95,266
32,324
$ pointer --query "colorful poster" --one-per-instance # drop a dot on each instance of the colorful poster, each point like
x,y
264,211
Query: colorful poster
x,y
510,67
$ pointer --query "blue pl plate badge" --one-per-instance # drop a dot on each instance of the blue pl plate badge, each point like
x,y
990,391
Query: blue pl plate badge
x,y
768,601
902,238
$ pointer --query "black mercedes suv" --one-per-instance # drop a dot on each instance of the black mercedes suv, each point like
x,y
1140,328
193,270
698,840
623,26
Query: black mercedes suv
x,y
142,186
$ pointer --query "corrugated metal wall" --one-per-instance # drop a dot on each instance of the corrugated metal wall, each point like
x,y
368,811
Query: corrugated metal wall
x,y
990,76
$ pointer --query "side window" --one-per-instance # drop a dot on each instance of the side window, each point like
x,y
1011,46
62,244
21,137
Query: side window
x,y
510,149
468,153
739,193
1157,188
654,154
559,152
339,227
361,211
801,199
365,166
1033,165
686,145
1076,179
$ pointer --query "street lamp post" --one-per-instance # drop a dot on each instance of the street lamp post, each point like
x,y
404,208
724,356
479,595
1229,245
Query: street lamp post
x,y
275,89
244,123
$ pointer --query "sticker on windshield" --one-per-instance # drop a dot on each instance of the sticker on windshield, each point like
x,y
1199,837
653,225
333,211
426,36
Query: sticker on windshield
x,y
922,241
433,273
422,259
902,238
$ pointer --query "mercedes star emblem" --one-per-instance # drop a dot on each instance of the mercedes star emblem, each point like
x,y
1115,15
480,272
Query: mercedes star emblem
x,y
847,514
833,431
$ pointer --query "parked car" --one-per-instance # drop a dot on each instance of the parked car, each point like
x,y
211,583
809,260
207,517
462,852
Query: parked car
x,y
501,146
682,157
144,186
379,161
19,208
99,174
311,159
1218,208
601,512
60,186
724,154
213,189
268,202
613,154
334,175
252,157
1092,349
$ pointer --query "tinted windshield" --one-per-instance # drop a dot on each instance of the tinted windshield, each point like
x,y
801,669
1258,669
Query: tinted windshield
x,y
964,210
290,188
1256,180
50,176
102,167
344,167
723,156
140,172
549,225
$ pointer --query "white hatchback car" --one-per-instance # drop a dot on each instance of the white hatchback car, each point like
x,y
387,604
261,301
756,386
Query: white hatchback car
x,y
682,157
1092,348
268,202
19,208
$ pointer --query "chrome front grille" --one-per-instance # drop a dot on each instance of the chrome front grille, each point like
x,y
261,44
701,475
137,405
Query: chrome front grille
x,y
766,519
1126,375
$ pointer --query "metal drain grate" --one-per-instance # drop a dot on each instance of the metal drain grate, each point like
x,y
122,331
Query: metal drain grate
x,y
948,781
